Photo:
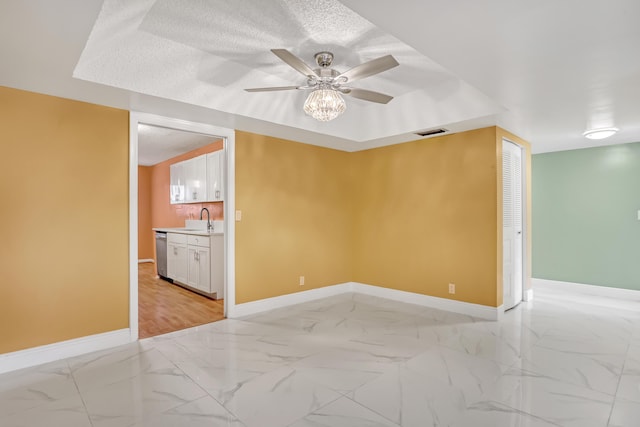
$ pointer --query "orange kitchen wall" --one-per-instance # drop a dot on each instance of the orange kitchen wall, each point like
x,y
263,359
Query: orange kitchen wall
x,y
163,213
427,216
296,203
145,233
64,221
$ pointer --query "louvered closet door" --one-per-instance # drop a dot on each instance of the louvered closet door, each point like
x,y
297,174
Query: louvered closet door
x,y
512,223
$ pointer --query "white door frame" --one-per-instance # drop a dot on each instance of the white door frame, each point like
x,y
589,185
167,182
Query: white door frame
x,y
136,118
525,220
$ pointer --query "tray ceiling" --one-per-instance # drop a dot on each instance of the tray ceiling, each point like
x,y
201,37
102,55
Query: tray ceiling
x,y
544,70
207,52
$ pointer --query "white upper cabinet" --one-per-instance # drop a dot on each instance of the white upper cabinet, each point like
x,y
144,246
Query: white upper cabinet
x,y
177,186
215,176
196,179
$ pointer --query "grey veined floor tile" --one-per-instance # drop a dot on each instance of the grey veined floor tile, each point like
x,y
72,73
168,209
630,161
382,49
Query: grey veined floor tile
x,y
354,361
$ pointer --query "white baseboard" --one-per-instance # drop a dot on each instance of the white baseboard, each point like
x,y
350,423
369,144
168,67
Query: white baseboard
x,y
470,309
253,307
60,350
140,261
475,310
49,353
604,291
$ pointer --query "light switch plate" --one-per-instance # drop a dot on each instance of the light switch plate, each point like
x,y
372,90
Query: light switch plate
x,y
238,215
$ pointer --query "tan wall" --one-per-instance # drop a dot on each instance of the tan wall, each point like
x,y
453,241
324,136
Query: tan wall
x,y
146,240
64,220
413,216
296,217
427,217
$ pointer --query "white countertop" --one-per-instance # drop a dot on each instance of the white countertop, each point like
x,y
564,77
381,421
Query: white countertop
x,y
193,231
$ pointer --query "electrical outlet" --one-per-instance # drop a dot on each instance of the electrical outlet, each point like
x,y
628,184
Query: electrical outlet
x,y
301,283
452,288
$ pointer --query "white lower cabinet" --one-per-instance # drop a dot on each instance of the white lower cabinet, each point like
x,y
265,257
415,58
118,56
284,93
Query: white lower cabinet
x,y
197,262
177,257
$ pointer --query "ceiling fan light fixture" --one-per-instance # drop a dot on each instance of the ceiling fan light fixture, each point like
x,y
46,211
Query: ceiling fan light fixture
x,y
600,133
324,104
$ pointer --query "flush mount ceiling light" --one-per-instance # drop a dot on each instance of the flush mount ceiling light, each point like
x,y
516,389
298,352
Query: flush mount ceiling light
x,y
600,133
325,102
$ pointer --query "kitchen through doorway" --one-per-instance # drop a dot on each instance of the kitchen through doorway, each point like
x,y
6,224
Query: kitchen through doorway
x,y
170,162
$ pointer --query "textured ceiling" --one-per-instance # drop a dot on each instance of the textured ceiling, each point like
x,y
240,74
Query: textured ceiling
x,y
157,144
550,69
206,52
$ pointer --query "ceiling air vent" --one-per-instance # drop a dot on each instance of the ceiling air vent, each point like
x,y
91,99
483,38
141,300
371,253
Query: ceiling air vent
x,y
432,132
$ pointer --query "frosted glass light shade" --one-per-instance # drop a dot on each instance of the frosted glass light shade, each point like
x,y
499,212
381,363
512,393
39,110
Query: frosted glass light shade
x,y
600,133
324,104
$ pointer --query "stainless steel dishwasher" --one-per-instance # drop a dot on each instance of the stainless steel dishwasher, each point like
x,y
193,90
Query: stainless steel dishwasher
x,y
161,254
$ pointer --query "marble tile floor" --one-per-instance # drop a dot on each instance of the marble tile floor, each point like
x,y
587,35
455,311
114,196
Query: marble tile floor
x,y
355,361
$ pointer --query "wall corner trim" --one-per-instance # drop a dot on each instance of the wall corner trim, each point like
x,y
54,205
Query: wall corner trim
x,y
60,350
475,310
75,347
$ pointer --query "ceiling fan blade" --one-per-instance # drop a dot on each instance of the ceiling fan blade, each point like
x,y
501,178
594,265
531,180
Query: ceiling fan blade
x,y
367,95
294,62
369,68
272,89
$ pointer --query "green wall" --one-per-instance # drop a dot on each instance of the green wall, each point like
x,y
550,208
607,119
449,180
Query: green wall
x,y
585,216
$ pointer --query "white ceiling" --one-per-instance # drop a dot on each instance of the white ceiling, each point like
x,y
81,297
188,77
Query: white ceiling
x,y
157,144
544,70
206,52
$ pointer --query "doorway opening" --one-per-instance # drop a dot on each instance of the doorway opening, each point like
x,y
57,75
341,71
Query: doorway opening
x,y
162,298
513,224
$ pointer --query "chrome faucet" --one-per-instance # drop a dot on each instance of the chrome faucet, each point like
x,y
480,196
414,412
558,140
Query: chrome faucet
x,y
209,224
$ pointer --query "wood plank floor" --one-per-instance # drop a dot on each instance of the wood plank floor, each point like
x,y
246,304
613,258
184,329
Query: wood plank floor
x,y
164,307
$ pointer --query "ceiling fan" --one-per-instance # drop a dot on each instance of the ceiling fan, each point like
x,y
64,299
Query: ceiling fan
x,y
327,84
